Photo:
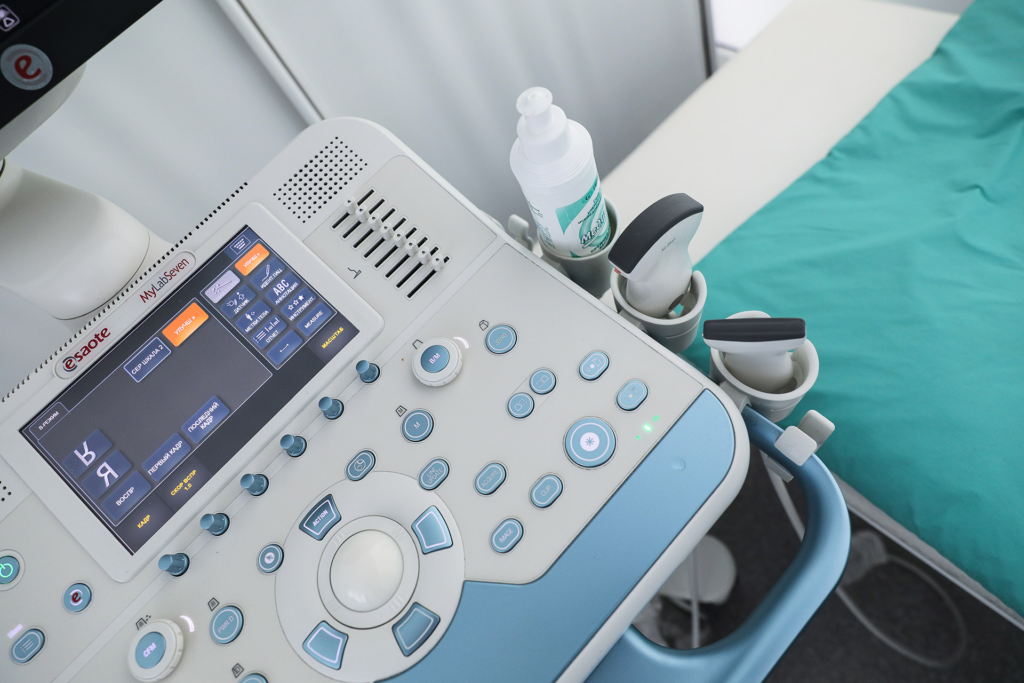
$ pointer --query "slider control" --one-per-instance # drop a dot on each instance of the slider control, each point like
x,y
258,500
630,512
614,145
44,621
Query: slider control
x,y
216,523
368,372
175,565
256,484
331,407
293,445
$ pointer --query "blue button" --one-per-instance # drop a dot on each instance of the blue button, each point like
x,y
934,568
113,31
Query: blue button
x,y
125,496
298,303
490,478
146,359
270,558
280,290
28,646
237,302
434,358
226,624
312,321
206,419
254,678
360,466
590,442
632,395
594,365
326,645
542,381
417,425
432,531
85,454
507,535
433,474
150,650
546,491
9,569
266,273
289,343
501,339
268,332
520,405
414,628
166,457
251,319
106,475
77,597
321,518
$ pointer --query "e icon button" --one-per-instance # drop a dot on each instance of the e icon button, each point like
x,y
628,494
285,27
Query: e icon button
x,y
26,67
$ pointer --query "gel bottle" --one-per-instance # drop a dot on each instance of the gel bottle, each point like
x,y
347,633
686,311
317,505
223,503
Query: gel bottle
x,y
553,160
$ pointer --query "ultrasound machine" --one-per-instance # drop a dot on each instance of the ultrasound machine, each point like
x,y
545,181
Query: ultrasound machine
x,y
331,434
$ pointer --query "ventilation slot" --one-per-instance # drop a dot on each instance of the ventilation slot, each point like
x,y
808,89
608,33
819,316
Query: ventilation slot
x,y
320,180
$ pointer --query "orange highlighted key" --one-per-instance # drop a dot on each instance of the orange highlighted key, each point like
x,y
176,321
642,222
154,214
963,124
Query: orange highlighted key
x,y
248,263
185,324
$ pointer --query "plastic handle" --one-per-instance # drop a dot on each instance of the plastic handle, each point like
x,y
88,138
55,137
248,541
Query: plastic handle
x,y
748,654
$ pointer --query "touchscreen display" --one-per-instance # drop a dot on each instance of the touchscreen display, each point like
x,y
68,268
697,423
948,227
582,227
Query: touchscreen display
x,y
144,428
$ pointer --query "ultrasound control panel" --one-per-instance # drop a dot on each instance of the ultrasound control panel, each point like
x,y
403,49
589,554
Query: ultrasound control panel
x,y
347,430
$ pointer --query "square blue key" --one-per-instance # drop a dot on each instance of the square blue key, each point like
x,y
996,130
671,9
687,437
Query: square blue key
x,y
283,288
125,496
270,331
85,454
106,475
251,319
298,303
266,273
237,302
288,345
312,321
206,419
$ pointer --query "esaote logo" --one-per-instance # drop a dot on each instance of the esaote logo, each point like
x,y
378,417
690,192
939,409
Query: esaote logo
x,y
70,363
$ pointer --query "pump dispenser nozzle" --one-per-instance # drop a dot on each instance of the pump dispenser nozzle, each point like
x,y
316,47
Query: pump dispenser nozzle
x,y
543,129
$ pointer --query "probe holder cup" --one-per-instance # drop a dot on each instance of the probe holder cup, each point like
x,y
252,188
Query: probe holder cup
x,y
675,334
774,406
589,272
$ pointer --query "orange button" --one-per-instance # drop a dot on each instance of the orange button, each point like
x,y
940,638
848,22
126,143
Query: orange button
x,y
248,263
185,324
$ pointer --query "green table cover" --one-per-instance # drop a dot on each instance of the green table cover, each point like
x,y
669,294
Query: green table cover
x,y
904,251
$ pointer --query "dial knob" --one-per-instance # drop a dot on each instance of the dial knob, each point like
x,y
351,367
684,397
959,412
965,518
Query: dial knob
x,y
437,362
155,650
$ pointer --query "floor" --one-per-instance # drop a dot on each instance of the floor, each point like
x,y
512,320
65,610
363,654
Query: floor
x,y
834,647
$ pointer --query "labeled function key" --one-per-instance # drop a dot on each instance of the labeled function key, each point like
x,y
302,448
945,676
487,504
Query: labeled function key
x,y
500,339
434,474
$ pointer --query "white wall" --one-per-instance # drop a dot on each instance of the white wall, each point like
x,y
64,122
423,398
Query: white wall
x,y
443,75
177,112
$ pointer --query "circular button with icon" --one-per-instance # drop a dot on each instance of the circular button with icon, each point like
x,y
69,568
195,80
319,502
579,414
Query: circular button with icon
x,y
77,597
271,558
26,67
10,569
590,442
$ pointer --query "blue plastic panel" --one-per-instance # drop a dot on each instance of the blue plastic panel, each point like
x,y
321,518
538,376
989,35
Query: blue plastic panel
x,y
550,620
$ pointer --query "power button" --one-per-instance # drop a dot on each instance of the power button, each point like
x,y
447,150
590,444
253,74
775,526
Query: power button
x,y
10,570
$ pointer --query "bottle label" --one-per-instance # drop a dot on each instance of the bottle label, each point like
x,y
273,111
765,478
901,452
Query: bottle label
x,y
583,225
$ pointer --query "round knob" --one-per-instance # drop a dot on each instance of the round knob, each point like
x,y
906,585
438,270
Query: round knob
x,y
368,372
437,362
293,445
175,565
216,523
332,408
367,571
155,650
256,484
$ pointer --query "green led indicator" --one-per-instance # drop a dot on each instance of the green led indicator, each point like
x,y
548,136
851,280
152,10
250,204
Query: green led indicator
x,y
638,436
655,419
647,427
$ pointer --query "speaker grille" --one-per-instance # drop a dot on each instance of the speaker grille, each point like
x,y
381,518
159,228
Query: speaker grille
x,y
320,179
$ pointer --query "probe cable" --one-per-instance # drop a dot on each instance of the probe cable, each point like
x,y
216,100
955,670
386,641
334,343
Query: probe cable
x,y
798,526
